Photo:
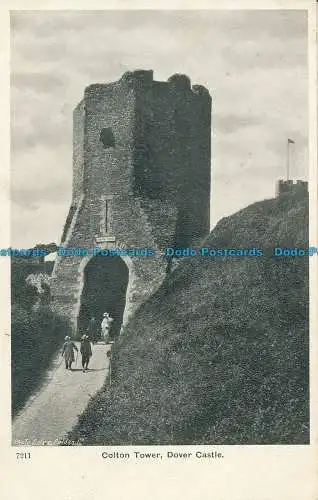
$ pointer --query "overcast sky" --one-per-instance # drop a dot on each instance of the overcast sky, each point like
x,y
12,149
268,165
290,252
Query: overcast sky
x,y
253,62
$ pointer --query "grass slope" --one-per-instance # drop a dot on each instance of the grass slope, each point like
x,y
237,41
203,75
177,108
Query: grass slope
x,y
35,335
220,353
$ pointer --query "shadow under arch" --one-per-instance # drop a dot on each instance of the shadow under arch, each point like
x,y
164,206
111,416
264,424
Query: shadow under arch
x,y
105,285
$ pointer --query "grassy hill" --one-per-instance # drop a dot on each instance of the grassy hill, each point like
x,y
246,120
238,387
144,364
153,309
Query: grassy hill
x,y
220,353
36,335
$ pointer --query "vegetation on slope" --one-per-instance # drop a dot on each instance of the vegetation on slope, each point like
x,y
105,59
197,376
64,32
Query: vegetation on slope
x,y
220,353
35,334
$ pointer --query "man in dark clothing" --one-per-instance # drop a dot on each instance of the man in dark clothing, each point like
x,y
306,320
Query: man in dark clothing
x,y
86,352
92,329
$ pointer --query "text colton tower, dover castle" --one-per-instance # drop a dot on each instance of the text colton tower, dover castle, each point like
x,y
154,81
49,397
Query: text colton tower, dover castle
x,y
141,179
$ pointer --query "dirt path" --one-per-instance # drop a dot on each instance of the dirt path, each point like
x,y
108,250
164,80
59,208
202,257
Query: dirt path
x,y
54,410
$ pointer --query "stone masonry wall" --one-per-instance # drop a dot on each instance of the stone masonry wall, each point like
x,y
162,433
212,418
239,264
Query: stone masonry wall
x,y
172,153
141,180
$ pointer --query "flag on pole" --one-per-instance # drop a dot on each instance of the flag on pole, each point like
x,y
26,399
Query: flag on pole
x,y
289,141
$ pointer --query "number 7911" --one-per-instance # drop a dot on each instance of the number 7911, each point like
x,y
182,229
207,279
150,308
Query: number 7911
x,y
23,455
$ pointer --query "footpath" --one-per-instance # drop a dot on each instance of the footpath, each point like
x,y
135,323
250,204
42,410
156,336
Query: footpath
x,y
53,411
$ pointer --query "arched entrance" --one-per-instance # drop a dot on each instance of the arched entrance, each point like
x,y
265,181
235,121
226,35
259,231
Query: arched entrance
x,y
105,287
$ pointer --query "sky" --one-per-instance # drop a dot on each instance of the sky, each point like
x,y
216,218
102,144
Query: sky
x,y
254,64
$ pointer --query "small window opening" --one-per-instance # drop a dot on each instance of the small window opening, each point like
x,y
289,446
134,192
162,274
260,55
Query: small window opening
x,y
107,138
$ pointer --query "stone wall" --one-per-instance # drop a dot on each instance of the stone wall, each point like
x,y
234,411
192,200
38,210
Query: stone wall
x,y
291,186
141,179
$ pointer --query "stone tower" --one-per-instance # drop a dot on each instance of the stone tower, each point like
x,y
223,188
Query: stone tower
x,y
141,179
291,186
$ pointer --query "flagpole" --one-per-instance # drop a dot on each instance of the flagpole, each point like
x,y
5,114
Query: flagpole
x,y
289,142
288,159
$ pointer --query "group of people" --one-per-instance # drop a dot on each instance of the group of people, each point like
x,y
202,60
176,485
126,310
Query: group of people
x,y
69,347
68,352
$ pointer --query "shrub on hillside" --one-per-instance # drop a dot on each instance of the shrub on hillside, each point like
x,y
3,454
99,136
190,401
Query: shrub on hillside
x,y
35,338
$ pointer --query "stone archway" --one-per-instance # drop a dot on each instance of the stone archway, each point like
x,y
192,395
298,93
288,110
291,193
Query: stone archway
x,y
105,283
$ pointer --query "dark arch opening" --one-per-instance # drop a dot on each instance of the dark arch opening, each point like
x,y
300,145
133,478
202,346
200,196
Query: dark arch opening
x,y
105,287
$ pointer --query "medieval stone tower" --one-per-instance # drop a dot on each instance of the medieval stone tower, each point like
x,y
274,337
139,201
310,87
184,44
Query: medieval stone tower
x,y
141,179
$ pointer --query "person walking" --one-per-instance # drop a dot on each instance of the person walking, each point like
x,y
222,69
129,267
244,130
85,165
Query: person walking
x,y
68,352
92,329
86,352
106,326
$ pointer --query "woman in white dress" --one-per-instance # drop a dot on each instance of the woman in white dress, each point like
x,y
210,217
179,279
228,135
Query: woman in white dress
x,y
105,326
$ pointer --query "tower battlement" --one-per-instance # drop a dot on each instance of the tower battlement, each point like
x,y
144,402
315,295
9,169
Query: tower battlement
x,y
139,76
142,79
291,186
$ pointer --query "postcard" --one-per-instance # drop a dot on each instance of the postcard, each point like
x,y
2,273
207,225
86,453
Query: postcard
x,y
159,250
